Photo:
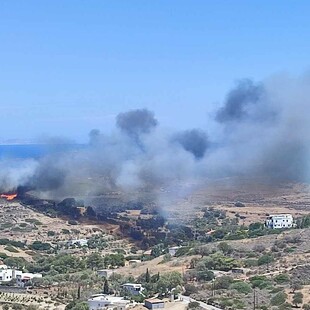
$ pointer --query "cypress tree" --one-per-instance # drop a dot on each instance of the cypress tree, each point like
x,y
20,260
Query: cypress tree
x,y
147,276
106,289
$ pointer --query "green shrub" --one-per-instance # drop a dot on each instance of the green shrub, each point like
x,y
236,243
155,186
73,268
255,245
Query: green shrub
x,y
282,278
11,249
278,299
6,225
223,282
241,287
72,222
265,259
40,246
4,241
250,262
285,306
3,255
193,305
33,221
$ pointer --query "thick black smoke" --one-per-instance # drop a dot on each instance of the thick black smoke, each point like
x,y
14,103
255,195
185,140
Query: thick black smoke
x,y
266,129
48,176
136,122
240,101
263,129
194,141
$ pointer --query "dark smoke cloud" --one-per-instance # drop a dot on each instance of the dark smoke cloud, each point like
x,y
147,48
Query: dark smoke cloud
x,y
136,122
266,129
263,130
194,141
47,176
240,101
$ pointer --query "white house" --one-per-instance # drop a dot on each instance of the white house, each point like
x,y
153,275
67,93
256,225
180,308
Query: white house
x,y
101,301
279,221
173,250
78,242
7,275
154,303
133,289
133,262
25,277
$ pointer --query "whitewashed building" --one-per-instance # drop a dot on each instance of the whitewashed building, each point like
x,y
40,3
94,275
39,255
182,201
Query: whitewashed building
x,y
78,242
25,277
279,221
154,303
132,288
7,274
173,250
101,301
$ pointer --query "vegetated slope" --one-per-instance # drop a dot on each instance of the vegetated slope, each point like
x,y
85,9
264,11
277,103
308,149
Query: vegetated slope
x,y
21,226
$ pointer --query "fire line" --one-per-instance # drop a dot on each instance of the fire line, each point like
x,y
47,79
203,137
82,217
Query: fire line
x,y
8,196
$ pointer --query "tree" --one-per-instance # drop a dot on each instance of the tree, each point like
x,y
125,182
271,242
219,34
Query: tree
x,y
147,276
278,299
297,298
168,281
203,251
79,292
6,307
295,286
190,289
282,278
40,246
218,261
225,248
265,259
114,260
223,282
256,226
95,260
106,289
76,305
241,287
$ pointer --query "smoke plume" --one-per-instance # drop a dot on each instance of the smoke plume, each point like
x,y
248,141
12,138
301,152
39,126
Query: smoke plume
x,y
240,101
136,122
262,130
194,141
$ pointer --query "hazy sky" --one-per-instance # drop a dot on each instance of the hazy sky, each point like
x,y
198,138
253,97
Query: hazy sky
x,y
68,66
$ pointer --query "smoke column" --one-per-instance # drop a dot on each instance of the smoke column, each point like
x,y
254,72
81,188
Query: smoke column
x,y
194,141
263,129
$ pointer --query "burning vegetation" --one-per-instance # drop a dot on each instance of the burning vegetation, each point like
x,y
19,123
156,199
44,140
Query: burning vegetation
x,y
9,197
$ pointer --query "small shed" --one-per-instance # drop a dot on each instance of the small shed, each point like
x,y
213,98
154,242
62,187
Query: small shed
x,y
237,270
173,250
154,303
133,262
106,273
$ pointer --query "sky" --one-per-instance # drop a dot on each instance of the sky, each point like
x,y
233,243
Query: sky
x,y
69,66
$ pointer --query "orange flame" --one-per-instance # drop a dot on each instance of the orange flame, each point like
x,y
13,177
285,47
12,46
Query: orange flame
x,y
8,196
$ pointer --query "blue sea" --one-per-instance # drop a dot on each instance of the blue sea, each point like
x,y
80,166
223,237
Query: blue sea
x,y
34,150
